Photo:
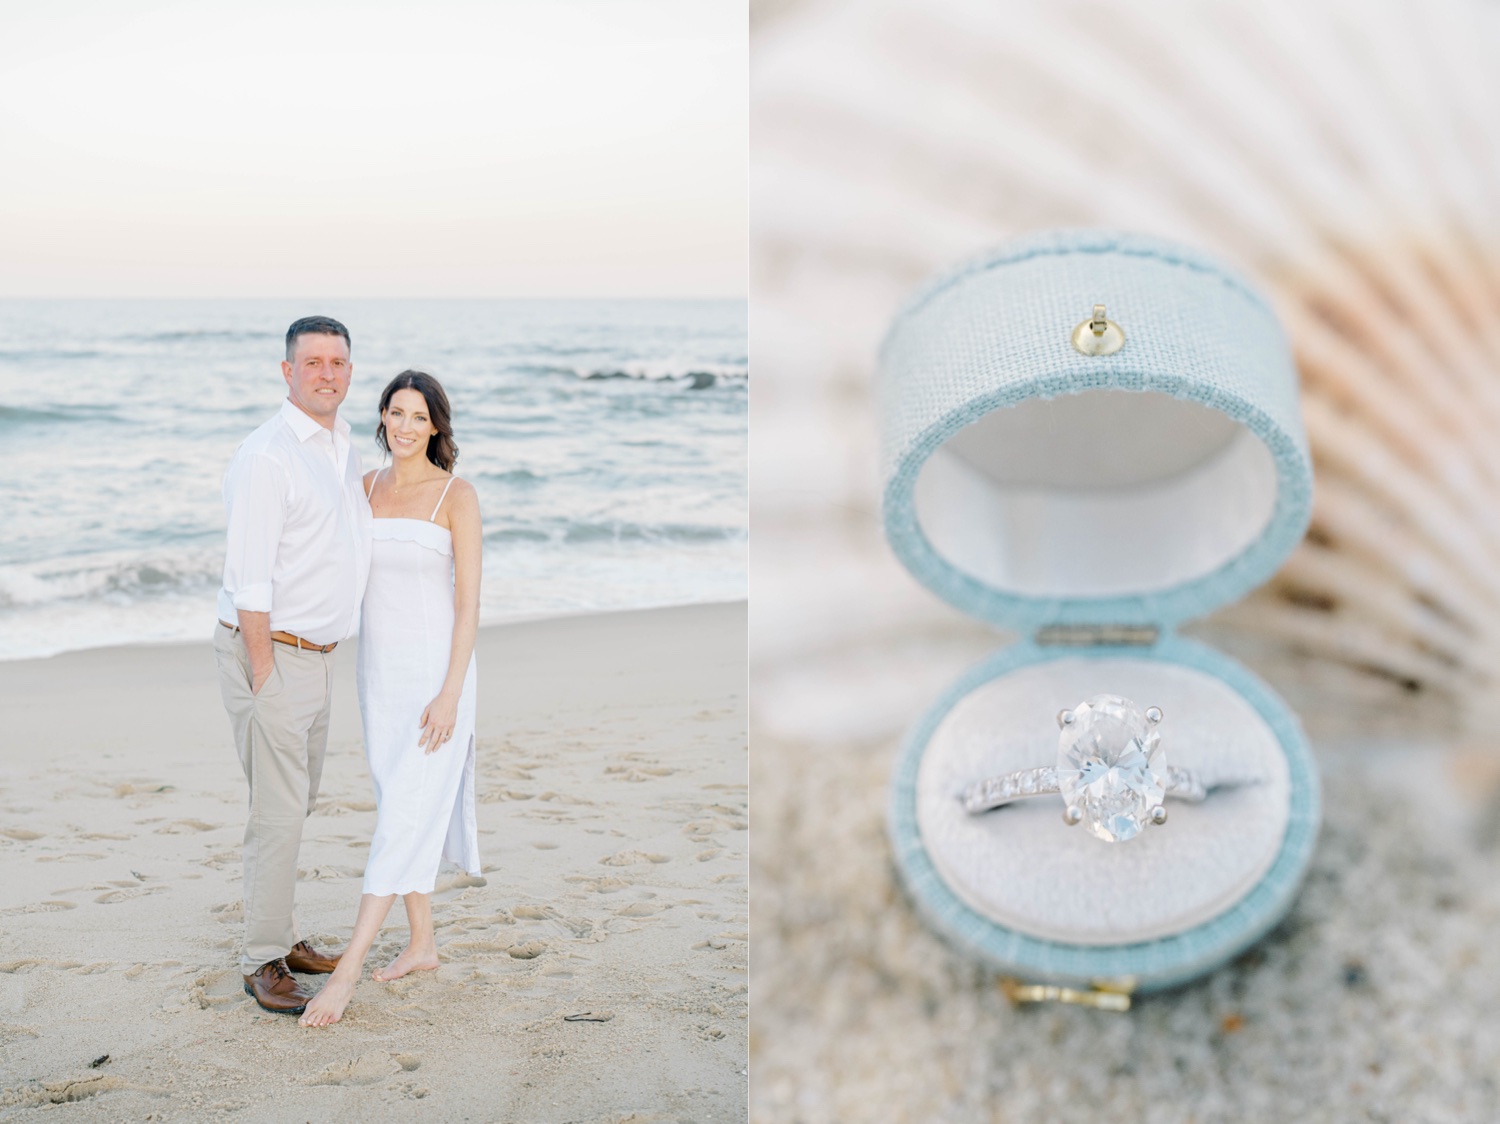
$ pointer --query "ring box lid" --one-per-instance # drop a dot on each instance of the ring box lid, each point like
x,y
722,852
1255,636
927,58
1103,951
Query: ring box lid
x,y
1034,486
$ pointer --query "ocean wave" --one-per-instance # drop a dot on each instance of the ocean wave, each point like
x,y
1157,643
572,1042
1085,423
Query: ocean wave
x,y
513,476
45,354
590,533
698,376
188,335
516,534
109,577
83,412
127,578
687,375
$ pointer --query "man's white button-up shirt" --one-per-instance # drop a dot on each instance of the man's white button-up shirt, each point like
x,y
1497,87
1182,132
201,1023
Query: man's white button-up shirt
x,y
299,528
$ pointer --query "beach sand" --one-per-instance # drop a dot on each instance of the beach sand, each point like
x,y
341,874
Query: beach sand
x,y
596,972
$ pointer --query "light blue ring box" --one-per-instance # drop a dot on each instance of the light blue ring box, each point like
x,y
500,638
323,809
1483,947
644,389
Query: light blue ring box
x,y
995,335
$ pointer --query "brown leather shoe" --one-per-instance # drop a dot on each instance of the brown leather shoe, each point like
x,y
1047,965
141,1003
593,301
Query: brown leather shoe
x,y
304,958
273,987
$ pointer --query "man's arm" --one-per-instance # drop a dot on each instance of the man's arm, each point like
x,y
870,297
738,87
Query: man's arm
x,y
256,629
255,492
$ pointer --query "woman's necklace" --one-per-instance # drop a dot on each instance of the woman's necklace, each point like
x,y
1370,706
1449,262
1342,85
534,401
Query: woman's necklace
x,y
396,488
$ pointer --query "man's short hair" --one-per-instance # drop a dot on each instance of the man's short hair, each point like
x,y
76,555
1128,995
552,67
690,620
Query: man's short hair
x,y
314,325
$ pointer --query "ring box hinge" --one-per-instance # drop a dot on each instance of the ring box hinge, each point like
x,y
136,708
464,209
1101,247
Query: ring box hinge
x,y
1103,995
1097,635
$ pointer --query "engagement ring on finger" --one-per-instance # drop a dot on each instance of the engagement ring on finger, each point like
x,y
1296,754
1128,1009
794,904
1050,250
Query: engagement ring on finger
x,y
1111,771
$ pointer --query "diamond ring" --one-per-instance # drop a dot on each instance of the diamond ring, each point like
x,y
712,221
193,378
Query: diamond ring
x,y
1111,771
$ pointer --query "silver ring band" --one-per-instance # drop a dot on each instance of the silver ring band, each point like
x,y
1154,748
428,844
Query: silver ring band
x,y
995,792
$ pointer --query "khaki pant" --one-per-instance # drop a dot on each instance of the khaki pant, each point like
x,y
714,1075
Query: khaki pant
x,y
281,735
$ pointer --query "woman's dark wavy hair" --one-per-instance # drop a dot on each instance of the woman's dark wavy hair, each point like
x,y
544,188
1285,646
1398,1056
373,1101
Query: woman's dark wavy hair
x,y
442,450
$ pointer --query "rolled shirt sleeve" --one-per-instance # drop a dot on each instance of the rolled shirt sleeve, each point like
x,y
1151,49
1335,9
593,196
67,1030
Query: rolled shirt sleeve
x,y
256,492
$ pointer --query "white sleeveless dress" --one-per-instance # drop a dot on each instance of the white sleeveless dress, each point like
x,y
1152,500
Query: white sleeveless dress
x,y
424,801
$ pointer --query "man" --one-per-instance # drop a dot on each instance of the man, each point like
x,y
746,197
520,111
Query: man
x,y
294,575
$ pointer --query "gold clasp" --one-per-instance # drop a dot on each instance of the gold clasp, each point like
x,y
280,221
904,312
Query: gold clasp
x,y
1098,335
1103,995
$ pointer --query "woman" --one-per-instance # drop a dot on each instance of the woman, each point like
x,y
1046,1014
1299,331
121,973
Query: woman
x,y
416,680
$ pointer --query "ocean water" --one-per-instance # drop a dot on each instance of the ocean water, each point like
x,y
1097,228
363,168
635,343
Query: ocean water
x,y
606,440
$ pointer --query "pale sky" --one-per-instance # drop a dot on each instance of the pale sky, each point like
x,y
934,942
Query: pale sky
x,y
381,148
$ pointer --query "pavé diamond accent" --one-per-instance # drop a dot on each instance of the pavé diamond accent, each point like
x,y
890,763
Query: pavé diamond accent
x,y
1110,764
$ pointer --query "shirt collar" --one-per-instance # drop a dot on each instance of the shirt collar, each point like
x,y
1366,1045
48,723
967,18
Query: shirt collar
x,y
303,426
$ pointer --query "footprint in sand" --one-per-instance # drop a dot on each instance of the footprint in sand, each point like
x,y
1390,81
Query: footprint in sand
x,y
9,1034
472,947
217,989
41,907
605,885
67,1092
460,882
453,889
70,857
20,834
141,788
536,912
328,874
12,967
466,923
116,896
637,774
631,858
367,1069
550,797
576,926
704,830
722,940
504,917
342,807
497,795
182,827
528,951
641,909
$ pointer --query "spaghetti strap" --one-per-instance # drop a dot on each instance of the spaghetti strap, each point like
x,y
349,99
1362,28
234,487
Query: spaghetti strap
x,y
433,517
374,478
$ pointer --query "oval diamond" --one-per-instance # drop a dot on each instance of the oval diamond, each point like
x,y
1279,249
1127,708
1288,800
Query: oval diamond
x,y
1110,765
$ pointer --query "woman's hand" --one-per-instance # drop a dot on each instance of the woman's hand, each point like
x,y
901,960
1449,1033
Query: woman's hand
x,y
438,721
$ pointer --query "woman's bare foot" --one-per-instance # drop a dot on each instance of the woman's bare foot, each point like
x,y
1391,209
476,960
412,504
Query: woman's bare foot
x,y
408,961
328,1005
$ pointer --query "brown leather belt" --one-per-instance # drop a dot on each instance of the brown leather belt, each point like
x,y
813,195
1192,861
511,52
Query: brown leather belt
x,y
287,638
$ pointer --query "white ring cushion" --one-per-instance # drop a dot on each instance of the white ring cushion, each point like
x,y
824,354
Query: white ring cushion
x,y
1023,868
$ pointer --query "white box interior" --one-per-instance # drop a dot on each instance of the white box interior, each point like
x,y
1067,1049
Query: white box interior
x,y
1098,494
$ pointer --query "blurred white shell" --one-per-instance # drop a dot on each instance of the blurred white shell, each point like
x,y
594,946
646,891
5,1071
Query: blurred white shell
x,y
1347,155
